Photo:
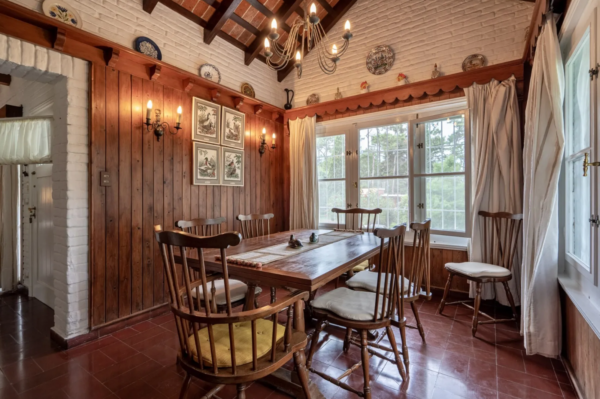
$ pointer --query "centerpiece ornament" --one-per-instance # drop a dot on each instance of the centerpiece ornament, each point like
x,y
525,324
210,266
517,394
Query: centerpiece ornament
x,y
311,35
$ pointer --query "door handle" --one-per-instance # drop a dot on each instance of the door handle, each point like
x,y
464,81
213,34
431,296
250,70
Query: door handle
x,y
32,214
587,164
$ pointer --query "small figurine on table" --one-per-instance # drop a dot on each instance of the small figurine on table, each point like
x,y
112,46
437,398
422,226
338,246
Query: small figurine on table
x,y
314,238
294,243
402,80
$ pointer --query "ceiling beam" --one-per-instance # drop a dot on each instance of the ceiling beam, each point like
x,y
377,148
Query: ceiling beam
x,y
222,13
326,6
184,12
328,22
284,12
5,80
149,5
245,24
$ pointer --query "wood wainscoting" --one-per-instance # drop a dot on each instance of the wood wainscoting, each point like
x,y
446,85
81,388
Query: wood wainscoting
x,y
151,184
581,350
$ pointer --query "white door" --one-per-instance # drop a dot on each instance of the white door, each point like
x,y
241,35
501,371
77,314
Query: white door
x,y
42,230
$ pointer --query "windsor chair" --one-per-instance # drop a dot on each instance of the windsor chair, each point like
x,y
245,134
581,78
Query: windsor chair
x,y
364,311
254,225
237,289
500,232
235,348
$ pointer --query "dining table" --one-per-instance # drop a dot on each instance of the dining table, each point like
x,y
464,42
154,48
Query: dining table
x,y
308,271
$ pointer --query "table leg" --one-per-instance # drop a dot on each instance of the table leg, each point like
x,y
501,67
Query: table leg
x,y
250,296
299,323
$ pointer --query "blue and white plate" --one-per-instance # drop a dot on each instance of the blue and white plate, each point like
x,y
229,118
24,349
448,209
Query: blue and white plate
x,y
210,72
63,12
146,46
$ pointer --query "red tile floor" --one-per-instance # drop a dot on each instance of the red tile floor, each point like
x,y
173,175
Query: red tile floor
x,y
139,362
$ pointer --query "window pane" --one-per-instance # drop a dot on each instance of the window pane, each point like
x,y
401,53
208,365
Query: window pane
x,y
445,202
331,158
579,212
444,145
332,194
391,195
384,151
578,98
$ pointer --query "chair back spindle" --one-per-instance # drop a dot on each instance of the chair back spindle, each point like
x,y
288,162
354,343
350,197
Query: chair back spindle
x,y
201,227
253,225
354,219
419,274
500,232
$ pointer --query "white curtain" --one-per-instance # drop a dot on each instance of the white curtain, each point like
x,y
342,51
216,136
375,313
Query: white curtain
x,y
543,152
304,183
9,226
25,141
496,162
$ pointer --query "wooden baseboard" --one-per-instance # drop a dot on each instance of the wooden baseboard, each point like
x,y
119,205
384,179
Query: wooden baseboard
x,y
573,378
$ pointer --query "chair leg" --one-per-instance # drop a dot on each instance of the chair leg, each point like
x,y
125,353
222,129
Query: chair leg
x,y
273,295
446,290
365,363
510,300
476,306
314,342
402,328
399,364
347,340
241,388
300,363
185,386
418,320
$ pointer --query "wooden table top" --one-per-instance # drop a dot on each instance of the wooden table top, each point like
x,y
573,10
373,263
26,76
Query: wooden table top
x,y
306,271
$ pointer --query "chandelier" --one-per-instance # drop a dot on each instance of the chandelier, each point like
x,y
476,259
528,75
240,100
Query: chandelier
x,y
311,35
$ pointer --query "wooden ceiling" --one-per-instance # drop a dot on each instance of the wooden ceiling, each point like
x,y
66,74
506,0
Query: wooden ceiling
x,y
246,23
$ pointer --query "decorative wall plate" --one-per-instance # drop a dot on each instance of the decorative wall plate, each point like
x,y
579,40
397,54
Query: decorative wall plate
x,y
63,12
312,99
146,46
380,60
247,90
473,61
210,72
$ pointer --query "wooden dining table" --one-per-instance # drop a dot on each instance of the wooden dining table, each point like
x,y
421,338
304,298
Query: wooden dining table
x,y
306,271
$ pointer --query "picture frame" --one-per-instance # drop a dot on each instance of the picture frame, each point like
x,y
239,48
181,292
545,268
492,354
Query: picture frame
x,y
206,122
207,167
233,128
233,167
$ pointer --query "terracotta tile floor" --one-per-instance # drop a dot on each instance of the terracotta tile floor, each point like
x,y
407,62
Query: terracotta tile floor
x,y
139,362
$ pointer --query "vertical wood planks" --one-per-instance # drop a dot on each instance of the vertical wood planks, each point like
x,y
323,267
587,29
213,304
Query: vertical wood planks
x,y
157,100
137,209
147,204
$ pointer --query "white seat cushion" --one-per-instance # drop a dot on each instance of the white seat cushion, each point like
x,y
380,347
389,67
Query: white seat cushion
x,y
368,281
478,269
351,305
237,289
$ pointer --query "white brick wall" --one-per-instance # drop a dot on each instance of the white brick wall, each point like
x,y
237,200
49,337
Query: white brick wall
x,y
421,33
37,99
69,78
180,40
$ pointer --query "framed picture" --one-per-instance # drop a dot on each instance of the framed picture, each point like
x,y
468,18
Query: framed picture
x,y
233,127
207,164
206,122
233,167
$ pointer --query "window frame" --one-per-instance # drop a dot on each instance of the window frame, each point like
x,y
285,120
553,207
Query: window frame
x,y
352,132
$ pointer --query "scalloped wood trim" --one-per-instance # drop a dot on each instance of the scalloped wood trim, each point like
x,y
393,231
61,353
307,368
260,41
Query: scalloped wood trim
x,y
426,91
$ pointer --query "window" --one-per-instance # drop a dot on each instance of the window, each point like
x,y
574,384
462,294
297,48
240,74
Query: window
x,y
577,132
412,169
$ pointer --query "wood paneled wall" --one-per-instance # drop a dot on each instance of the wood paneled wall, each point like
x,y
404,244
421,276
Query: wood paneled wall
x,y
152,184
581,349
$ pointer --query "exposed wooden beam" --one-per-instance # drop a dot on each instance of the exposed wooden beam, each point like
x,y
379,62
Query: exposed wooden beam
x,y
245,24
328,22
218,19
326,6
184,12
149,5
284,12
5,79
270,14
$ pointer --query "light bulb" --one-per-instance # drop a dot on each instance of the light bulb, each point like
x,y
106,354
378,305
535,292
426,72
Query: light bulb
x,y
267,43
334,49
179,111
274,24
313,9
347,26
298,56
264,131
148,109
149,106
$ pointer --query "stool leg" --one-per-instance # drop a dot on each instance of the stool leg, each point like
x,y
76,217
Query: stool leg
x,y
476,306
446,290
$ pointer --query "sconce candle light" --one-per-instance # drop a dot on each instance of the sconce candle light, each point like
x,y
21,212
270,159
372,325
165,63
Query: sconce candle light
x,y
263,143
157,126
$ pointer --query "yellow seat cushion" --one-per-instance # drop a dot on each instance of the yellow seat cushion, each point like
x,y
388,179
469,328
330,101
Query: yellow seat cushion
x,y
242,333
361,267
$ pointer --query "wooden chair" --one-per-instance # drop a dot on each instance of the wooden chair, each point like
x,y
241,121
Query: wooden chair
x,y
417,281
237,289
254,225
500,240
364,311
354,221
236,348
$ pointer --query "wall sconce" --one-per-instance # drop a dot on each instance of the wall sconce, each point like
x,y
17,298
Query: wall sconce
x,y
158,126
263,143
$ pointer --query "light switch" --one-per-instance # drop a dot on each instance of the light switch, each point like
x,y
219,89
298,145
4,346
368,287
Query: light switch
x,y
105,179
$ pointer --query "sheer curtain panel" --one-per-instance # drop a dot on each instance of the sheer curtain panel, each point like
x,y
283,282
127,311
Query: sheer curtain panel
x,y
304,182
543,152
496,162
25,141
9,226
